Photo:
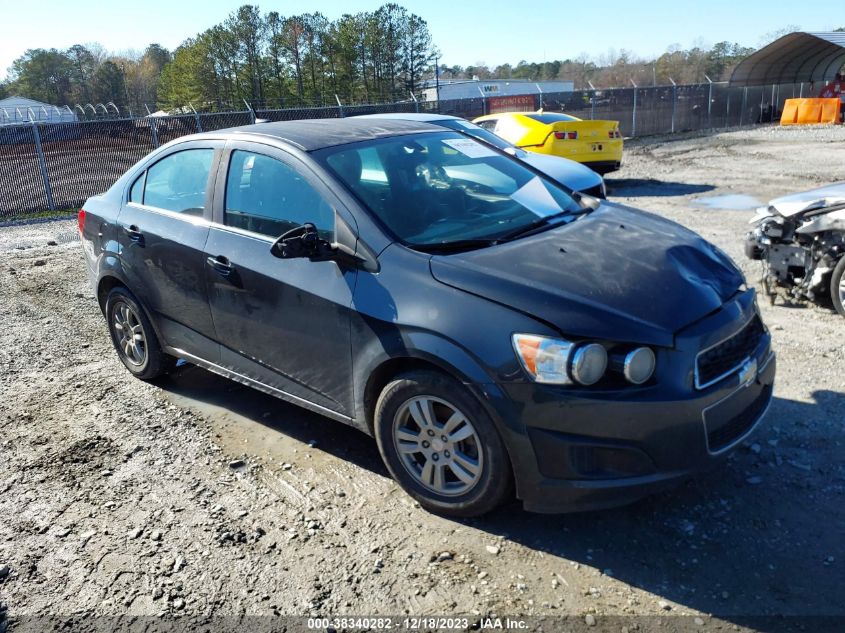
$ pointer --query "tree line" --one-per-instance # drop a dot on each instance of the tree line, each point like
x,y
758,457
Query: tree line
x,y
301,59
264,59
87,75
617,69
270,60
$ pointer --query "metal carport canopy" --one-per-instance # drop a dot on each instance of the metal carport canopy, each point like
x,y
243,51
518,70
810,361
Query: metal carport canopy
x,y
794,58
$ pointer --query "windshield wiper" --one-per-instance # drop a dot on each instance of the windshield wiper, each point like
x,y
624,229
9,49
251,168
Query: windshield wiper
x,y
455,245
536,226
586,204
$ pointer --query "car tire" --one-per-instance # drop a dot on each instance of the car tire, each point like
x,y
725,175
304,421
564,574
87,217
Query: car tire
x,y
134,338
837,286
441,446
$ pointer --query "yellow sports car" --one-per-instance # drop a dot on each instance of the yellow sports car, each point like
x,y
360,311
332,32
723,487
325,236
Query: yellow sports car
x,y
597,144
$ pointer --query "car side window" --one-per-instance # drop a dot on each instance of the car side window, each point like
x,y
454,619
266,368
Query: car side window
x,y
136,194
489,124
178,182
266,196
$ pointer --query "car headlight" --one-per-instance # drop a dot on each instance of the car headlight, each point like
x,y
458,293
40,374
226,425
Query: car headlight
x,y
588,364
545,359
639,365
558,361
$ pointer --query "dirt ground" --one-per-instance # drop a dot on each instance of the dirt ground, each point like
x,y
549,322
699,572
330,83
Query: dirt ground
x,y
203,498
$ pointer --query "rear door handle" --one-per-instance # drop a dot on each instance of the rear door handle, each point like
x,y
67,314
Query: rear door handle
x,y
134,233
221,265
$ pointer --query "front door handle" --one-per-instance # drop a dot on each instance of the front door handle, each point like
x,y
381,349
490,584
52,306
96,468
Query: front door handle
x,y
134,233
221,265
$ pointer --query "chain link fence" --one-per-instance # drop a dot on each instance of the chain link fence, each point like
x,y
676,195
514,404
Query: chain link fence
x,y
51,166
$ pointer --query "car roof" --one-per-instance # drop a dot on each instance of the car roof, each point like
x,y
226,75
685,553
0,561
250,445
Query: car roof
x,y
409,116
313,134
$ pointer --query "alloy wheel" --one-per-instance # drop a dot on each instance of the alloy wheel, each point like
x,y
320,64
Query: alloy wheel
x,y
438,445
130,334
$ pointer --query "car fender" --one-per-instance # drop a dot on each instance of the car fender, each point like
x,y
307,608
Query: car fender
x,y
418,349
834,221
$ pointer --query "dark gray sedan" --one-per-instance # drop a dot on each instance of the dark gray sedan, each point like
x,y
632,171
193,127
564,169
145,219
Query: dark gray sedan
x,y
495,332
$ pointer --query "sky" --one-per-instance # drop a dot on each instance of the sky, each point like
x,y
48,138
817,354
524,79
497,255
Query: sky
x,y
465,31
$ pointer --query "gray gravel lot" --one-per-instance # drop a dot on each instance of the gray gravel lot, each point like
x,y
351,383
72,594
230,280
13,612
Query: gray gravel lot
x,y
201,497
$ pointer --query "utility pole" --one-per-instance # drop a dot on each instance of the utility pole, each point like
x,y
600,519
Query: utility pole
x,y
634,111
674,101
437,80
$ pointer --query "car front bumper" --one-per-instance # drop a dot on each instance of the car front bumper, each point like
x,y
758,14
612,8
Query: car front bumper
x,y
592,449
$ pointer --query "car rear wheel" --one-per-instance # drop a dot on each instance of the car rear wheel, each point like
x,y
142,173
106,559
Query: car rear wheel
x,y
837,286
133,337
441,446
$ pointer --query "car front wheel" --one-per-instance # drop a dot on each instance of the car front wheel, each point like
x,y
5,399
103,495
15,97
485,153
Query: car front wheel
x,y
837,286
441,446
133,336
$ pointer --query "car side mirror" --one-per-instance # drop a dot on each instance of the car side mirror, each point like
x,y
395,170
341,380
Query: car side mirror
x,y
347,249
302,241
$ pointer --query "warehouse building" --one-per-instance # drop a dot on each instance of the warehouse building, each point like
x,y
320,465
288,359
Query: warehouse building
x,y
22,110
474,88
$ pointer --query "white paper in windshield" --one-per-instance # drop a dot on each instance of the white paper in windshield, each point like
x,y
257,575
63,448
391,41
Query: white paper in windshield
x,y
470,148
537,198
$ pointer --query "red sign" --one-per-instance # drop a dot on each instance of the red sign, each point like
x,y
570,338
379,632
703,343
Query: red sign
x,y
514,103
833,89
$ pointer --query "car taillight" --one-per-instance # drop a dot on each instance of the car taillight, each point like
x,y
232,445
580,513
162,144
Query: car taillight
x,y
614,134
562,136
80,219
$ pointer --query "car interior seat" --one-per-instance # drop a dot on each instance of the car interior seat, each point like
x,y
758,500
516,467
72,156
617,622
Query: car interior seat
x,y
408,188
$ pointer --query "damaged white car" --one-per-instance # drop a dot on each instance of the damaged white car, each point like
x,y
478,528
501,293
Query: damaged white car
x,y
800,238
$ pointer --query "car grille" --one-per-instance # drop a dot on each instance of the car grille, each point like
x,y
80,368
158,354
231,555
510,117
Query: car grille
x,y
723,359
739,425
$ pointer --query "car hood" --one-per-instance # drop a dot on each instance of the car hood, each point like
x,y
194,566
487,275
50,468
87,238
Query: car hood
x,y
797,203
574,175
617,274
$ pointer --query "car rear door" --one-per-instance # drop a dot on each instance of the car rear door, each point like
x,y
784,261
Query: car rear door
x,y
163,227
285,323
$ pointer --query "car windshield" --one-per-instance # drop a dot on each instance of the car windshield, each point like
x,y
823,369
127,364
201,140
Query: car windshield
x,y
476,131
436,189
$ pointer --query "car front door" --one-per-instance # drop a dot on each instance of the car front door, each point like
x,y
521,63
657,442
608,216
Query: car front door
x,y
283,322
163,227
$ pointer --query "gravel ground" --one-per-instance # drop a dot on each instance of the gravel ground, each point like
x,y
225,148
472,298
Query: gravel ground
x,y
202,498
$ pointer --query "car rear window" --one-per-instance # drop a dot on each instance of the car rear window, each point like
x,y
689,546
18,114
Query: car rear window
x,y
551,117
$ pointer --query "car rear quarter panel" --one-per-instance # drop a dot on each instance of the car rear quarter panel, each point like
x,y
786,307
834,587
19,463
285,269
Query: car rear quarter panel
x,y
99,239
